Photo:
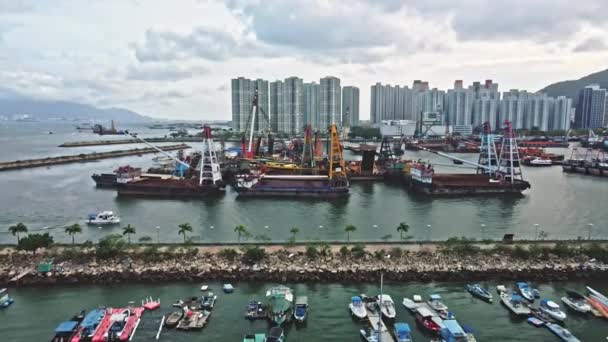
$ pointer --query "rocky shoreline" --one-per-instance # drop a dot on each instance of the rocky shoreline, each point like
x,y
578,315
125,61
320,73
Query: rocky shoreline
x,y
296,266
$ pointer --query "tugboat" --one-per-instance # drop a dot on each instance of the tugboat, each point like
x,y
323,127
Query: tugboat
x,y
479,292
5,299
280,304
103,218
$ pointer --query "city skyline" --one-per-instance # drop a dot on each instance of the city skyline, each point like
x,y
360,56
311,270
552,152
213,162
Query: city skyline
x,y
176,61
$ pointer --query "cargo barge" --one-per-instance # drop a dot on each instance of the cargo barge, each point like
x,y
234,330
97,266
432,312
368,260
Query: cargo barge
x,y
290,185
590,162
122,174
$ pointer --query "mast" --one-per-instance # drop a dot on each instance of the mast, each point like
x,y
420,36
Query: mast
x,y
254,111
308,160
210,167
134,135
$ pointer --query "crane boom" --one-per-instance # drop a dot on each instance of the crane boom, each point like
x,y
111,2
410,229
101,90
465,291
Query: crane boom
x,y
454,158
158,149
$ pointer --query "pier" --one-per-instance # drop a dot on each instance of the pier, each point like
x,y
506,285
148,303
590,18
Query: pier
x,y
130,141
84,157
375,320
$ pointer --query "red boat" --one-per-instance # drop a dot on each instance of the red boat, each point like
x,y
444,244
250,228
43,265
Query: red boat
x,y
123,324
426,319
102,328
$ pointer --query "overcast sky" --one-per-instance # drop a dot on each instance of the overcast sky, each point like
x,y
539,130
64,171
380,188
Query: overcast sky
x,y
175,59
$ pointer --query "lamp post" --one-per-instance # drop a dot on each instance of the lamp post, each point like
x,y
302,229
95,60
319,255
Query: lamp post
x,y
374,226
157,235
589,227
429,230
483,230
536,225
266,227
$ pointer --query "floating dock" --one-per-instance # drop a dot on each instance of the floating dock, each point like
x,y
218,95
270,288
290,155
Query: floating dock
x,y
375,320
84,157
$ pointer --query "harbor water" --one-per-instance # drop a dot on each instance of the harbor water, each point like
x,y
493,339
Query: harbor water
x,y
563,205
36,313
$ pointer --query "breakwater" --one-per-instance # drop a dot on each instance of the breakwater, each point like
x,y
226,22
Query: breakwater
x,y
130,141
295,264
83,157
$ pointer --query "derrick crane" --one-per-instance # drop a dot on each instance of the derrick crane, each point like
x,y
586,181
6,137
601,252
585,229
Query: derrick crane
x,y
247,144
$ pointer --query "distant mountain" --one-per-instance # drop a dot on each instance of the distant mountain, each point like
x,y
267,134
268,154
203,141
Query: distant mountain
x,y
14,103
570,88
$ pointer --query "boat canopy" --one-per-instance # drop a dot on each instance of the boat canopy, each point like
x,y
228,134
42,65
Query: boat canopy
x,y
93,318
435,296
355,299
402,329
516,298
425,312
66,327
549,303
572,294
302,300
453,327
522,284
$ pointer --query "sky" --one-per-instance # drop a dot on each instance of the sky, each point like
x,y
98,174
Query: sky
x,y
175,59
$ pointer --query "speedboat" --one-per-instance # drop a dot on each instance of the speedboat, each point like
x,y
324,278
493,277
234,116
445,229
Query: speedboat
x,y
552,309
254,338
561,332
598,296
410,304
541,315
301,311
5,299
275,335
68,329
103,218
357,308
174,318
435,303
204,288
255,310
576,302
369,334
280,304
208,301
427,320
538,161
479,292
525,291
387,306
403,332
500,289
515,304
228,288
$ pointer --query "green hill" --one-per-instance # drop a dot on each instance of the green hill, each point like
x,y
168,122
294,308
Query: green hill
x,y
571,88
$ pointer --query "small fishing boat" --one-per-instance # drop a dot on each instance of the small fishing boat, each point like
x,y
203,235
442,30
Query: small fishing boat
x,y
435,303
357,308
204,288
576,302
387,306
301,310
501,289
123,324
5,299
552,309
598,296
150,304
103,218
515,304
193,320
477,291
369,334
89,324
403,332
255,310
208,301
427,320
280,304
228,288
173,318
451,331
65,331
275,335
561,332
254,338
525,291
410,304
535,322
543,316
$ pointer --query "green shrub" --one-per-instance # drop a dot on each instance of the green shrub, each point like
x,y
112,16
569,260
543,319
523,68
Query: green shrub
x,y
312,252
564,250
151,254
253,255
344,252
111,246
358,250
520,253
380,254
229,254
396,252
32,242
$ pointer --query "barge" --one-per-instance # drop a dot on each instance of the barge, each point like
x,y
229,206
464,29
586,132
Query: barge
x,y
290,185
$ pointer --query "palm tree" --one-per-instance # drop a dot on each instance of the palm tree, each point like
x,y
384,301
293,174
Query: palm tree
x,y
403,228
240,230
128,230
183,229
350,228
294,230
16,229
73,230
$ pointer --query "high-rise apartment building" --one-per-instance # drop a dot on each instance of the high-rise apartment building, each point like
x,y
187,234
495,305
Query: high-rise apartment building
x,y
276,104
330,102
243,90
293,107
311,104
591,107
350,106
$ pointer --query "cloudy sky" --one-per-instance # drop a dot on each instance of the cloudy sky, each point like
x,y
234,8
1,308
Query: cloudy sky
x,y
176,58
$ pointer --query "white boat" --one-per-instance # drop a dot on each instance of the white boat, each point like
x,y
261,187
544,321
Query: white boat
x,y
417,298
500,289
435,303
576,302
540,162
369,335
357,308
228,288
410,304
103,218
387,306
598,296
515,304
552,309
561,332
204,288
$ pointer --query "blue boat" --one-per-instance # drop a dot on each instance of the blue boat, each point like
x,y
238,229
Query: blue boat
x,y
89,324
228,288
479,292
65,331
5,299
525,291
561,332
452,331
403,332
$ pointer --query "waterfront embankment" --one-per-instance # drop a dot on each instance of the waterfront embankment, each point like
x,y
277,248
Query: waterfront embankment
x,y
84,157
130,141
113,264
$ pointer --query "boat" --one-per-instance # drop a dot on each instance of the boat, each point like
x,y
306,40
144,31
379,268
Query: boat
x,y
123,324
228,288
537,161
87,328
5,299
275,335
501,289
122,174
536,293
543,316
357,308
561,332
301,310
403,332
150,304
598,296
99,335
576,302
193,320
597,307
103,218
208,301
525,291
427,320
204,288
65,331
410,304
470,333
254,338
387,306
535,322
477,291
255,310
179,304
280,304
552,309
173,318
451,331
370,335
515,304
435,303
